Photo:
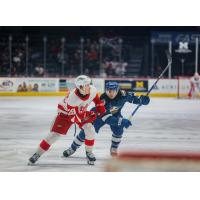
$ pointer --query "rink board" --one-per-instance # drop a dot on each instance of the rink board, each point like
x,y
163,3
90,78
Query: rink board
x,y
58,86
155,161
64,94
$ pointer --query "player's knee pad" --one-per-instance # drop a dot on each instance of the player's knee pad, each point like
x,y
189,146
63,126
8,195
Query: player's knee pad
x,y
111,120
52,137
89,131
117,130
98,123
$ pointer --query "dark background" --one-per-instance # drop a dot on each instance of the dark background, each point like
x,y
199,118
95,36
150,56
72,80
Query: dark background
x,y
21,57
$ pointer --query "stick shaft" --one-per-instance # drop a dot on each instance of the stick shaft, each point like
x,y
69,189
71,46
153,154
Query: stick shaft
x,y
166,68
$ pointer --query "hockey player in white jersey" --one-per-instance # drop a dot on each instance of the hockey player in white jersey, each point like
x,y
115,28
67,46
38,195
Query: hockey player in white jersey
x,y
114,99
194,86
73,109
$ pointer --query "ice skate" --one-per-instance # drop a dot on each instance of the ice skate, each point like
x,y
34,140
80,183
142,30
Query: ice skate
x,y
113,151
33,159
68,152
90,158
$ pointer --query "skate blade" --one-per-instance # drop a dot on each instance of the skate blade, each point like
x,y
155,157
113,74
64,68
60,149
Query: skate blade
x,y
30,164
90,162
113,154
65,156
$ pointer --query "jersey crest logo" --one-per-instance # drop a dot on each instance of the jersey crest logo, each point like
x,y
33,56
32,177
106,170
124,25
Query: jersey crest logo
x,y
82,108
71,111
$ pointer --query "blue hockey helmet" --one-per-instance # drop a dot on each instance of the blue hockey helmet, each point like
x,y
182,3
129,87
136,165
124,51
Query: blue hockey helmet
x,y
111,85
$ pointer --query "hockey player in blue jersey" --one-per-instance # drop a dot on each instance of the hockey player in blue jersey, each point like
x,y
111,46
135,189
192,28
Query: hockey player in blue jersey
x,y
114,100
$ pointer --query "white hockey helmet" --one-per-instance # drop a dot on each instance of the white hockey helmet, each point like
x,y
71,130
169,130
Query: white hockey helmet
x,y
82,80
196,74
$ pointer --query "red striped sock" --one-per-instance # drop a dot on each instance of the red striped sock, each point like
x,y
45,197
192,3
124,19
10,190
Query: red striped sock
x,y
44,145
89,142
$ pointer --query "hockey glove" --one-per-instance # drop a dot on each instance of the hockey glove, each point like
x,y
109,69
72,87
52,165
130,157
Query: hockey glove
x,y
136,100
100,110
90,118
144,100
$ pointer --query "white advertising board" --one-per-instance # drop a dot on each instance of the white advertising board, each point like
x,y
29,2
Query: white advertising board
x,y
7,84
99,84
164,86
37,85
29,85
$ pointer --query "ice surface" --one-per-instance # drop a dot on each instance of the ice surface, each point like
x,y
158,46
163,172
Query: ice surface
x,y
165,124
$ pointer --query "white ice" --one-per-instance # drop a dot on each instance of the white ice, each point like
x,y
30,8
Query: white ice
x,y
165,124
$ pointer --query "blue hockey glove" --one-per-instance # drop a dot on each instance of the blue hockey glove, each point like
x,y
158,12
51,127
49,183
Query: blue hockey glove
x,y
125,123
144,100
135,100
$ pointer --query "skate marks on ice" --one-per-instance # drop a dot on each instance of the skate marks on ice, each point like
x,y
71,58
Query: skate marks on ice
x,y
16,160
71,164
166,124
14,156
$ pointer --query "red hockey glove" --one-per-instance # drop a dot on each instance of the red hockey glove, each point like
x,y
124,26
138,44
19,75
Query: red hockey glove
x,y
101,109
90,118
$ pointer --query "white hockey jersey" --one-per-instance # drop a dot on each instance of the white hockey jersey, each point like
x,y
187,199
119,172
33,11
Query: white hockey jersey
x,y
76,105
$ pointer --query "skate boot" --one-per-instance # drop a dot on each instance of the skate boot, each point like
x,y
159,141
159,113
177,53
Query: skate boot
x,y
113,151
68,152
33,159
90,158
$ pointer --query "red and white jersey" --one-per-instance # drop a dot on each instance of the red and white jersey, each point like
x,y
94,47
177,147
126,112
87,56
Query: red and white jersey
x,y
195,86
195,83
75,106
195,80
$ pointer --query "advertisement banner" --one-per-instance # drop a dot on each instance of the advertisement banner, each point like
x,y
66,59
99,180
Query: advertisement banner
x,y
140,85
62,85
184,86
132,85
98,84
68,84
7,85
175,37
164,86
36,85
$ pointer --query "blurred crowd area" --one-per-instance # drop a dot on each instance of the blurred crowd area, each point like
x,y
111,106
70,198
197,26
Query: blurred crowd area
x,y
94,51
59,57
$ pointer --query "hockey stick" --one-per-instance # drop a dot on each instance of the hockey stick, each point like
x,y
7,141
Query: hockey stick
x,y
169,59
